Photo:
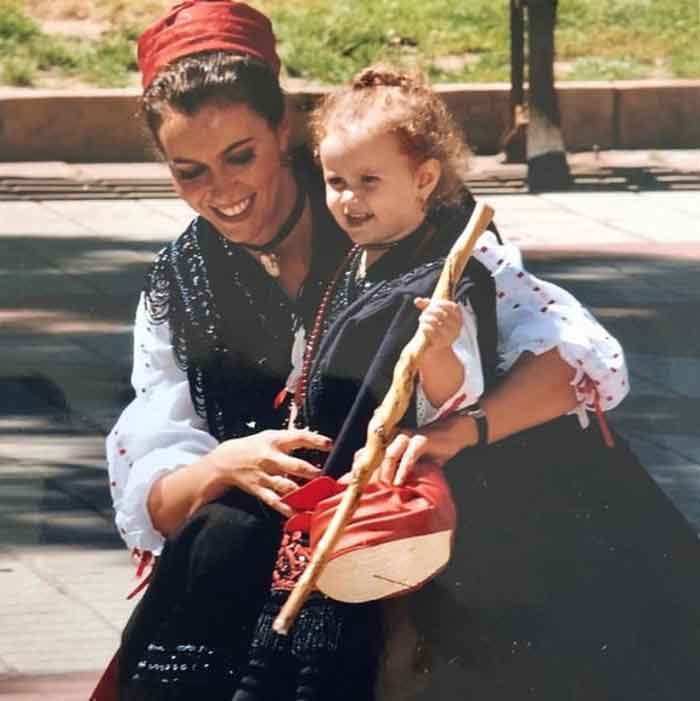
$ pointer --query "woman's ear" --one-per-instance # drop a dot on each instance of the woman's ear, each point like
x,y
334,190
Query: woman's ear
x,y
427,177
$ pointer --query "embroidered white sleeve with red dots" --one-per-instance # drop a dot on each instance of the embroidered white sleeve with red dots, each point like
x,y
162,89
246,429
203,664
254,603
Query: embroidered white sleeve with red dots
x,y
159,431
535,316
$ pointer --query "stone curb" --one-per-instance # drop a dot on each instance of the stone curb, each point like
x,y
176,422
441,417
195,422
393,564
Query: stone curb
x,y
94,126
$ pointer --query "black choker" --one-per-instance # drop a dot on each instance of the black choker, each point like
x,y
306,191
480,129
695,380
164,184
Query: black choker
x,y
380,246
391,244
268,259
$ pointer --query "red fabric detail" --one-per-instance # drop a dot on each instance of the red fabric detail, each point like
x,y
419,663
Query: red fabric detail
x,y
194,26
293,556
298,522
144,560
280,397
308,495
106,689
386,513
588,386
140,586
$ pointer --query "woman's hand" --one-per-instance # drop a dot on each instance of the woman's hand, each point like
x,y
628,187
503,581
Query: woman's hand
x,y
441,321
509,408
262,465
434,443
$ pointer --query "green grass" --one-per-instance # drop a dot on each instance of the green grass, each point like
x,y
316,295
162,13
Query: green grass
x,y
452,40
27,54
596,39
332,41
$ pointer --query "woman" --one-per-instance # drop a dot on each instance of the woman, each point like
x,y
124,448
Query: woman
x,y
213,337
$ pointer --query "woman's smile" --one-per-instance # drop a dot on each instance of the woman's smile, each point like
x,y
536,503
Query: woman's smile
x,y
236,212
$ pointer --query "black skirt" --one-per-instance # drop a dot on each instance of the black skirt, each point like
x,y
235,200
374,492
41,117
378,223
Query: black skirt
x,y
573,577
203,627
191,630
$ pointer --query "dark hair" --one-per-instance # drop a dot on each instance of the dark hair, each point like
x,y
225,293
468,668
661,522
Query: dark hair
x,y
191,82
406,105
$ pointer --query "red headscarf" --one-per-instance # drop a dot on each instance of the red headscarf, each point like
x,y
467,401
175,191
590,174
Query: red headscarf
x,y
206,25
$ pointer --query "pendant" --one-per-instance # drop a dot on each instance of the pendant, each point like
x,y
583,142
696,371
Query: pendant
x,y
293,415
271,263
361,273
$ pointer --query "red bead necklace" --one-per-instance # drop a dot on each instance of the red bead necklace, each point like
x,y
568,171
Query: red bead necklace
x,y
311,346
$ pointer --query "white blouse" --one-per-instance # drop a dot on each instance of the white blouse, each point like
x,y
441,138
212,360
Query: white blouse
x,y
160,430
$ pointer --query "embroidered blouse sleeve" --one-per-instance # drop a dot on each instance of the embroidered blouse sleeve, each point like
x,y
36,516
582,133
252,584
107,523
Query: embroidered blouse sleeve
x,y
466,348
158,432
536,316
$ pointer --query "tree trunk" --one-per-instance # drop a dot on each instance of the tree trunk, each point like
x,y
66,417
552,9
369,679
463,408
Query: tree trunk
x,y
546,158
514,141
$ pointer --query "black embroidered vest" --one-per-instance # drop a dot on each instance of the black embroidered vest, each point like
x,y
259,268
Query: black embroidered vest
x,y
370,322
231,323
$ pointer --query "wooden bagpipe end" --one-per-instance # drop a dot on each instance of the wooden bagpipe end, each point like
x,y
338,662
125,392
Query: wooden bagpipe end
x,y
382,426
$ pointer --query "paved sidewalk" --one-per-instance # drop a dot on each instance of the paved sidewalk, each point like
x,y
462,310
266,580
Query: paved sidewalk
x,y
71,269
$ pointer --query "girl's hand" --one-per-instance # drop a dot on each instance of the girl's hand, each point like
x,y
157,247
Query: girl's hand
x,y
441,321
262,465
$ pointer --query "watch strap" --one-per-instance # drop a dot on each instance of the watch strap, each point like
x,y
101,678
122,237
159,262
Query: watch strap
x,y
476,412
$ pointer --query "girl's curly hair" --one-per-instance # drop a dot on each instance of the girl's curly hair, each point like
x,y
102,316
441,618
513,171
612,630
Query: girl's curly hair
x,y
390,101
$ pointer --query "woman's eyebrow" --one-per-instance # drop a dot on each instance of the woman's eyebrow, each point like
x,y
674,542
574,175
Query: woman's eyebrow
x,y
237,144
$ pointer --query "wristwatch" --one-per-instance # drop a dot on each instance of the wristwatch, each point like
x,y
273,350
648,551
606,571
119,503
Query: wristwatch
x,y
482,423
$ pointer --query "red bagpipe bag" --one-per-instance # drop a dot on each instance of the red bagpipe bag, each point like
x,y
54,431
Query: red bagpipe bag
x,y
397,539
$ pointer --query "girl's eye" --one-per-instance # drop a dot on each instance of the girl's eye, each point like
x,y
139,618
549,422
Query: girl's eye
x,y
370,179
240,158
336,183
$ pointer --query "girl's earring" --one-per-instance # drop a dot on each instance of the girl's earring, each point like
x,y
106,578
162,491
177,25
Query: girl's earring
x,y
285,159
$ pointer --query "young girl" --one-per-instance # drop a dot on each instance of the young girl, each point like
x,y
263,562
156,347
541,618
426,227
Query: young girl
x,y
392,161
393,168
